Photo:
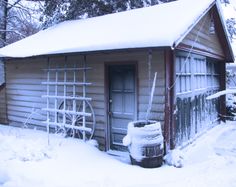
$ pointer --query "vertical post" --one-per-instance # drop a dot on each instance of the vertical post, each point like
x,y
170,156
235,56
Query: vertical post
x,y
193,83
169,127
56,93
64,92
48,80
74,101
222,72
84,94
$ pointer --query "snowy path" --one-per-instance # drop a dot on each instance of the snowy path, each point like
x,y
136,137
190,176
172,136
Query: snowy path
x,y
27,161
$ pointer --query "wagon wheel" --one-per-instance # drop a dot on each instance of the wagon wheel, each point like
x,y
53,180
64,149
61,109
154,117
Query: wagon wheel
x,y
77,120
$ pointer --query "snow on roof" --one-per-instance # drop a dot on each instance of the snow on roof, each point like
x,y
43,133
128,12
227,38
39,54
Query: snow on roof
x,y
156,26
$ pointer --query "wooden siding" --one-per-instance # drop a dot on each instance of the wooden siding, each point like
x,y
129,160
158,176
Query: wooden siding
x,y
158,66
202,41
196,78
3,109
24,88
2,73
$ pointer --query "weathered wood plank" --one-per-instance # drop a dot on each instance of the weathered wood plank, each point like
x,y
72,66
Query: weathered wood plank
x,y
203,39
24,87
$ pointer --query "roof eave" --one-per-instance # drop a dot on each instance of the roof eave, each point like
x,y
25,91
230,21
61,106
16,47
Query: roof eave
x,y
92,52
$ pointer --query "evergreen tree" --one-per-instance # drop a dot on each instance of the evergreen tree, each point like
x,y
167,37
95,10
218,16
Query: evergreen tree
x,y
60,10
230,22
231,27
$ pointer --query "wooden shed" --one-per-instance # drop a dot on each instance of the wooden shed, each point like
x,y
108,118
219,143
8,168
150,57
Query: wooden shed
x,y
107,64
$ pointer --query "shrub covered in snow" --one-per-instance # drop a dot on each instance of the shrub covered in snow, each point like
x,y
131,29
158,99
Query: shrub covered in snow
x,y
174,158
231,106
30,151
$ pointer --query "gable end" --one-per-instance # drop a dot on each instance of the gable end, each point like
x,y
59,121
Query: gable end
x,y
201,41
208,38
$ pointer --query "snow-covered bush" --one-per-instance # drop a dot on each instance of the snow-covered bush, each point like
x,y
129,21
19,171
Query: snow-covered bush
x,y
19,148
174,158
3,177
230,78
231,106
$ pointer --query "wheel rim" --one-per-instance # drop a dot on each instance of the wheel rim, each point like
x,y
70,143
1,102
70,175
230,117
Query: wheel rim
x,y
77,120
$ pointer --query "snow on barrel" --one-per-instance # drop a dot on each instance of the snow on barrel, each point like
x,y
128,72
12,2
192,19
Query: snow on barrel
x,y
145,143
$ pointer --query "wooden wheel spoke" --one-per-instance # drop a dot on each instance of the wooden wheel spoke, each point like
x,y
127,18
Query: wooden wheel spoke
x,y
68,116
77,120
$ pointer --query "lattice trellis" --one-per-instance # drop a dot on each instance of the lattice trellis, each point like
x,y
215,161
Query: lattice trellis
x,y
68,108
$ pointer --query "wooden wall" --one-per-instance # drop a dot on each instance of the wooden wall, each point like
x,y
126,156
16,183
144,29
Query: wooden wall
x,y
197,77
202,40
3,109
24,88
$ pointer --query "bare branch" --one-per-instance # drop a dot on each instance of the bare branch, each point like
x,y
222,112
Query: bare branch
x,y
12,5
16,32
23,10
4,42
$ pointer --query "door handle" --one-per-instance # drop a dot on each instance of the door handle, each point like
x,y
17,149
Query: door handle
x,y
109,113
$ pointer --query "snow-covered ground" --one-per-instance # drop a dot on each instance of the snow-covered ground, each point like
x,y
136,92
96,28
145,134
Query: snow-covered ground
x,y
26,160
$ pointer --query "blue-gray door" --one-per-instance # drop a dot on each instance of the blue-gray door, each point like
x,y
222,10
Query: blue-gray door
x,y
121,103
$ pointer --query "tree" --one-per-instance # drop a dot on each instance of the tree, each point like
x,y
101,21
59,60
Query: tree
x,y
230,22
15,23
231,27
60,10
17,20
225,2
3,21
22,20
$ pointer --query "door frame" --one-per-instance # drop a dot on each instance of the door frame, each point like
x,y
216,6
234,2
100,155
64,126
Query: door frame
x,y
107,95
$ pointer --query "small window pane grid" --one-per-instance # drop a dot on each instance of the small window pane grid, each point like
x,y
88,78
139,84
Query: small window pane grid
x,y
196,74
68,108
183,75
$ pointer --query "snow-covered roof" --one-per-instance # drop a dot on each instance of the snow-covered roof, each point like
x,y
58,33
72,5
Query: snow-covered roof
x,y
161,25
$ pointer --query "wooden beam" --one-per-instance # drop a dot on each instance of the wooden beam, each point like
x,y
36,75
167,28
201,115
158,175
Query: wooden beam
x,y
2,86
195,50
169,127
222,107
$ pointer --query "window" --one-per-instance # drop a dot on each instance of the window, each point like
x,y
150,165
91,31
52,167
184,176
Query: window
x,y
196,74
183,74
213,75
199,73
